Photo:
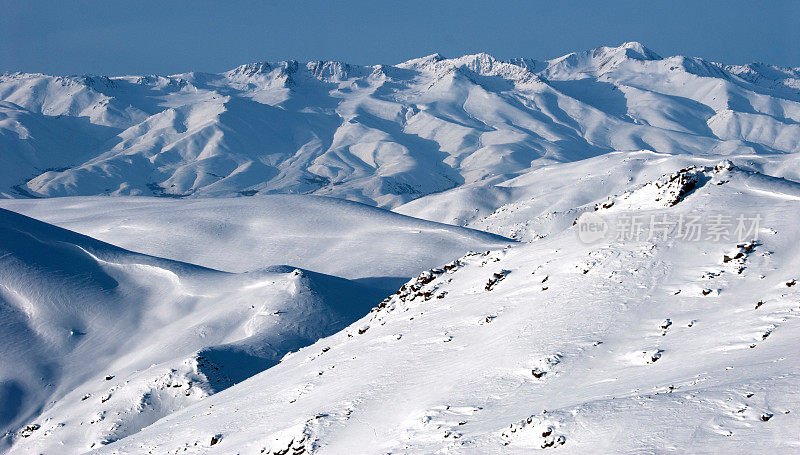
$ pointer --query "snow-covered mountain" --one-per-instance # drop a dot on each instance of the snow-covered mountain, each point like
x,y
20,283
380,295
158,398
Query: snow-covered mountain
x,y
85,322
327,235
617,345
537,284
382,135
611,344
548,198
99,342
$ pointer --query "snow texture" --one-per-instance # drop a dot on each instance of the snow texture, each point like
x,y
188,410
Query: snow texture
x,y
474,317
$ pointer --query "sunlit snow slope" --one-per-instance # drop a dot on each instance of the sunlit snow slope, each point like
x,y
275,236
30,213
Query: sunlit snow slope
x,y
84,321
323,234
549,197
381,134
161,320
618,346
98,342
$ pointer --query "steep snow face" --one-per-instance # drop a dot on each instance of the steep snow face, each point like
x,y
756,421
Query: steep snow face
x,y
383,135
98,342
613,343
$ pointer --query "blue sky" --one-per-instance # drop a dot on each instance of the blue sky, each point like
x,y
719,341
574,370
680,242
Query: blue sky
x,y
137,37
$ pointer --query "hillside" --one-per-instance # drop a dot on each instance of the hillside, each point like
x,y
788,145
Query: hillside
x,y
99,342
323,234
383,135
594,253
647,344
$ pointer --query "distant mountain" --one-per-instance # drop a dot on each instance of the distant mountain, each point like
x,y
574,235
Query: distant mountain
x,y
383,135
162,320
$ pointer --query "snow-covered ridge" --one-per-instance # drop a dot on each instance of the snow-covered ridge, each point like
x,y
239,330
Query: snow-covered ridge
x,y
383,135
161,321
99,342
541,345
160,334
326,235
557,344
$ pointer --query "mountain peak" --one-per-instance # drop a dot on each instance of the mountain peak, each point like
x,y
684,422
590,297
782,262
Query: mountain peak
x,y
637,50
481,56
251,69
331,70
600,59
422,62
481,62
631,49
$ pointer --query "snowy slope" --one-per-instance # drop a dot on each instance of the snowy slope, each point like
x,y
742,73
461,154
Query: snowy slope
x,y
98,342
621,345
323,234
551,196
383,135
160,320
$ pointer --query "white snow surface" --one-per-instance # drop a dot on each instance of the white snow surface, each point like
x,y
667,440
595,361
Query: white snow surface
x,y
382,134
323,234
550,197
161,320
620,346
84,322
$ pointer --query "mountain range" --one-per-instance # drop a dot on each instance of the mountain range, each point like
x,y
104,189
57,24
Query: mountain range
x,y
591,254
382,135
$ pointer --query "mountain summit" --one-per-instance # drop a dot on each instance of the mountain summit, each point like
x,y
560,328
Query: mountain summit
x,y
382,135
596,253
